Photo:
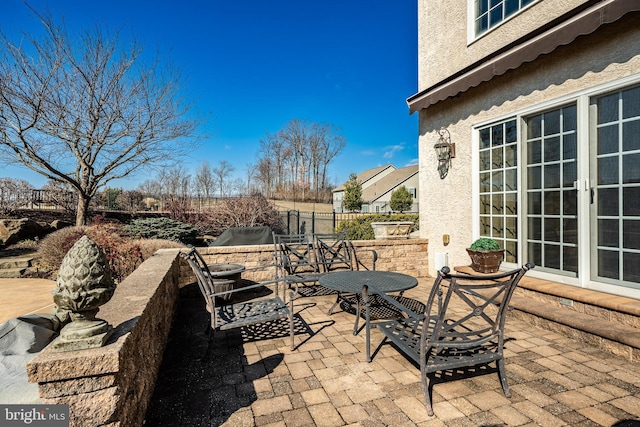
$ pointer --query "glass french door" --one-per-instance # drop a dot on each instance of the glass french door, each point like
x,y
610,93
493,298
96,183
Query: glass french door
x,y
551,186
615,172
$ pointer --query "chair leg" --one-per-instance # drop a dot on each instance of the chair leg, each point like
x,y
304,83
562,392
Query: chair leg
x,y
502,374
291,320
426,390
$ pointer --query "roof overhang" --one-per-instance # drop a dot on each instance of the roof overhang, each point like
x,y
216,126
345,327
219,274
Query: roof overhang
x,y
583,20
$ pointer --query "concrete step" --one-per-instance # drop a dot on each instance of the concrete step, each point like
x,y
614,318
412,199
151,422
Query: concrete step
x,y
15,262
11,273
608,335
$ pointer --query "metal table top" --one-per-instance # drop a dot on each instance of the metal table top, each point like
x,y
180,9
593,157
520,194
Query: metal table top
x,y
352,281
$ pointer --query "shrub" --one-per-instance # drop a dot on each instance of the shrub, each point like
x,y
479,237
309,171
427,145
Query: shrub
x,y
55,246
360,228
162,228
123,254
24,245
243,211
485,244
149,246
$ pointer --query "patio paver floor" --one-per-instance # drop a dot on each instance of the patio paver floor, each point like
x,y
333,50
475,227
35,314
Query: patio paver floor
x,y
235,381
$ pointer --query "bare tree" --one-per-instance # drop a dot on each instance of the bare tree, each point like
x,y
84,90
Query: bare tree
x,y
265,175
177,183
85,110
329,146
273,154
14,194
221,174
203,180
251,174
297,157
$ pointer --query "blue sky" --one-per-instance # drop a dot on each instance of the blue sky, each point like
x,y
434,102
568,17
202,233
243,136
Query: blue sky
x,y
252,66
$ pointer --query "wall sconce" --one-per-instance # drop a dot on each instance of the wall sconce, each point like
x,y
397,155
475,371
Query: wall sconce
x,y
445,151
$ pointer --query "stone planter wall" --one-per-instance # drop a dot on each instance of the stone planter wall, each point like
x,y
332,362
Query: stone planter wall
x,y
112,385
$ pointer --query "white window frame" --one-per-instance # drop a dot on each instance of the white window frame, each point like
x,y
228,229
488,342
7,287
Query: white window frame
x,y
582,99
471,20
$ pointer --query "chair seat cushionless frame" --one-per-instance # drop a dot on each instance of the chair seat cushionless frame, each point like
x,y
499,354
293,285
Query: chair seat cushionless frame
x,y
462,325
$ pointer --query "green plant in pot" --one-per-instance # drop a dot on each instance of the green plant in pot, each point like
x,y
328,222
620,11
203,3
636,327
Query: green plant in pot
x,y
486,255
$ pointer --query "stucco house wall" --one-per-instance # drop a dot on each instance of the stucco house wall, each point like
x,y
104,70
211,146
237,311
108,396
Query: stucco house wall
x,y
446,45
607,58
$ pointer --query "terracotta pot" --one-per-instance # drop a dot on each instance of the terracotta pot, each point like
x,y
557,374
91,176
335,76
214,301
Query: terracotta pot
x,y
485,261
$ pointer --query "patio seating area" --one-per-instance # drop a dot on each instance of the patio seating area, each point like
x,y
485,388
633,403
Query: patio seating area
x,y
250,376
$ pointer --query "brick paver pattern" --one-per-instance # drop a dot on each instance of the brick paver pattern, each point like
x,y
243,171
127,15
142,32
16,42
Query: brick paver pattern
x,y
251,377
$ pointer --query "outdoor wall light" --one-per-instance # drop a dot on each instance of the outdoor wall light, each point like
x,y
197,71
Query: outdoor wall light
x,y
445,151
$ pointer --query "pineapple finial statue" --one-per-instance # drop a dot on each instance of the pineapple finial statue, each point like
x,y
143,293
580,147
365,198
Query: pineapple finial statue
x,y
84,284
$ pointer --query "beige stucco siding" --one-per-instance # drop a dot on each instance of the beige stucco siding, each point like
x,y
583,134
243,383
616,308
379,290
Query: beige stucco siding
x,y
444,46
609,54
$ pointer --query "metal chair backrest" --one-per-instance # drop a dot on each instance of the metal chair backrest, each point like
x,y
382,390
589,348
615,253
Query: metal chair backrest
x,y
295,253
467,312
335,252
202,273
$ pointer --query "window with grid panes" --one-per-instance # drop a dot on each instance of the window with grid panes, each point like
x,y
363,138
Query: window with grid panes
x,y
498,196
490,13
616,197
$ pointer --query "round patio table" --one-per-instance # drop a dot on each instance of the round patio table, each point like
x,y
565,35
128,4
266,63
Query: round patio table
x,y
352,281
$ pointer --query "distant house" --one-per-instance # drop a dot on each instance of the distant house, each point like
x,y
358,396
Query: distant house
x,y
377,186
542,101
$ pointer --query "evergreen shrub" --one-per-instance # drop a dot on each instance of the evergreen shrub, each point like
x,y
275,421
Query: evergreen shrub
x,y
162,228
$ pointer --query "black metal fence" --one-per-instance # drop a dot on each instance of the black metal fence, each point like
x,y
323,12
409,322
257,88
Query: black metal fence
x,y
297,222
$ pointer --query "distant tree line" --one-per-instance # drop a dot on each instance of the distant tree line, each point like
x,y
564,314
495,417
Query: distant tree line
x,y
293,163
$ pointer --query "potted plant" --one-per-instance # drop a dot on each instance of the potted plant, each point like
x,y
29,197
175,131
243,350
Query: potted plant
x,y
486,255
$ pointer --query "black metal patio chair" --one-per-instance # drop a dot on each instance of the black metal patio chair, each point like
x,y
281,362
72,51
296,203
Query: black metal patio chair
x,y
296,259
337,252
462,325
259,310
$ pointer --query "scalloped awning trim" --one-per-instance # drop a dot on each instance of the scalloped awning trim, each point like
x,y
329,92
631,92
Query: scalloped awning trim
x,y
564,30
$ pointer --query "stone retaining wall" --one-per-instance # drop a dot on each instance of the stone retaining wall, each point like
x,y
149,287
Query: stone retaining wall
x,y
405,256
112,385
608,322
